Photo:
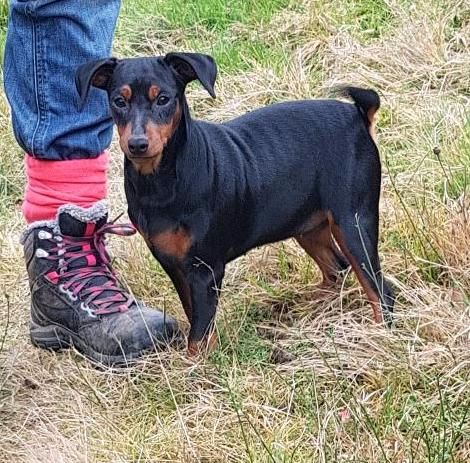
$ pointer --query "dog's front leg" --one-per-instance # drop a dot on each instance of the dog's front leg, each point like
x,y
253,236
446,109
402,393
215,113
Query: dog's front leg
x,y
205,281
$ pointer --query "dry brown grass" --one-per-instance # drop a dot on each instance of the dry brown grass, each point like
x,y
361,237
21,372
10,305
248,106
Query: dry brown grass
x,y
299,376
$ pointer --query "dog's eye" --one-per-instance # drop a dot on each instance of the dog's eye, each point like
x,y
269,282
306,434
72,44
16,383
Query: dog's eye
x,y
162,100
120,102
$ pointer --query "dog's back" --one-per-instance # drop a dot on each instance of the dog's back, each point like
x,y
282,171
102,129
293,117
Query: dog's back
x,y
303,154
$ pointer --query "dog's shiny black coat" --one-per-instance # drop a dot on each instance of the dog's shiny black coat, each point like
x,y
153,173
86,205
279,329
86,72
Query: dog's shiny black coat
x,y
303,169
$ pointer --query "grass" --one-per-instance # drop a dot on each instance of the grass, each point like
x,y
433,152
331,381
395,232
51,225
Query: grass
x,y
299,375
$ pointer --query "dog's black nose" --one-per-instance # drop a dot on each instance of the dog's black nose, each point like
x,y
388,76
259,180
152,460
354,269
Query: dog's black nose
x,y
138,145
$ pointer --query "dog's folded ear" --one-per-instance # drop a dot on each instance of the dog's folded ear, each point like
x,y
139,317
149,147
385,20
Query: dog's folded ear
x,y
192,66
96,73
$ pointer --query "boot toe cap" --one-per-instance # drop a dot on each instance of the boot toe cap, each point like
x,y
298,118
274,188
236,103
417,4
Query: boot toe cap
x,y
129,335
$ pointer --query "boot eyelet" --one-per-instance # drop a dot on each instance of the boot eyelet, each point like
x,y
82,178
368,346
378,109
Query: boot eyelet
x,y
87,309
40,253
68,293
44,235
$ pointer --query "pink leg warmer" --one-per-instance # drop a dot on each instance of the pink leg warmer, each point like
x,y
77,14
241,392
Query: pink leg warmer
x,y
50,184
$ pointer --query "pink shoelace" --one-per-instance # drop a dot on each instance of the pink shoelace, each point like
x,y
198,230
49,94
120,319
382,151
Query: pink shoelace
x,y
98,265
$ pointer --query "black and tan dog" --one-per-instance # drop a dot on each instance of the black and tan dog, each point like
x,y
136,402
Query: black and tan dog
x,y
203,194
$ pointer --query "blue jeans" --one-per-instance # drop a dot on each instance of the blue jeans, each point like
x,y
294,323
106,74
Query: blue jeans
x,y
46,41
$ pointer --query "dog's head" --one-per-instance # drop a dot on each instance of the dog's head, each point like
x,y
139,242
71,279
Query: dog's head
x,y
146,97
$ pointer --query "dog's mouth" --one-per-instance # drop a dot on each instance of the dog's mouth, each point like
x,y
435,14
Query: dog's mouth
x,y
144,158
145,164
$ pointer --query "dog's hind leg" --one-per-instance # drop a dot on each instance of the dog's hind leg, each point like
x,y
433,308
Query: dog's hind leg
x,y
357,236
320,246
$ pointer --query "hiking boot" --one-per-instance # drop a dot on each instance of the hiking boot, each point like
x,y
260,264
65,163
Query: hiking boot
x,y
76,299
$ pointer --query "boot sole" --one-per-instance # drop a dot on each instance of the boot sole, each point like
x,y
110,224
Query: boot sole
x,y
56,338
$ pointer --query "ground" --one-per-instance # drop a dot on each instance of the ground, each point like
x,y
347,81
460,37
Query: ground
x,y
299,375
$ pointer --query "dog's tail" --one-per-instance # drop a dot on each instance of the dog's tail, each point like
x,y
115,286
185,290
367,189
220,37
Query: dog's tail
x,y
366,100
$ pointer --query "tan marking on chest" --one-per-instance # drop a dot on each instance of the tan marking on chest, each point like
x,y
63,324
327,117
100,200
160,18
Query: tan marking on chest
x,y
175,243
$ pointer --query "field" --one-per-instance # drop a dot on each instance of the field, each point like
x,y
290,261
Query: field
x,y
299,375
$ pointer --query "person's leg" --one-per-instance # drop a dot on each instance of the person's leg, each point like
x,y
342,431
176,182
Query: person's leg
x,y
76,299
46,41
